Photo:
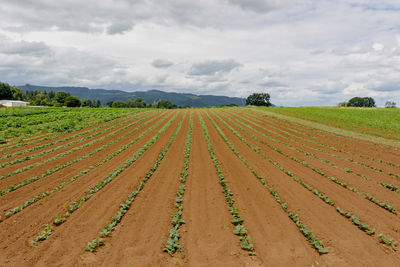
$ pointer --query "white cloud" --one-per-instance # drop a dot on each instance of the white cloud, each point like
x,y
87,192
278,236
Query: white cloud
x,y
301,52
213,67
162,63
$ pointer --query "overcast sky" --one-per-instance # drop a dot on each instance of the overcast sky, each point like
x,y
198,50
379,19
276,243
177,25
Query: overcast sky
x,y
301,52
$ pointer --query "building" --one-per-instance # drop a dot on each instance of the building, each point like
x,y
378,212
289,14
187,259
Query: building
x,y
13,103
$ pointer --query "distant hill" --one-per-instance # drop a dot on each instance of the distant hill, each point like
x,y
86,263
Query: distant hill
x,y
105,96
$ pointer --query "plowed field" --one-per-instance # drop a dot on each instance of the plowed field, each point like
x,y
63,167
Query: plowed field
x,y
199,187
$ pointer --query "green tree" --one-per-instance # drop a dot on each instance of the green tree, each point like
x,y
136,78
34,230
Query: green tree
x,y
5,91
61,96
84,102
139,103
17,93
361,102
165,104
40,97
45,102
369,102
51,95
98,104
259,99
72,101
119,104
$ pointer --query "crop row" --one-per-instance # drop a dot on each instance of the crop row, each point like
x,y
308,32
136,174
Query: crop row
x,y
64,139
386,206
381,204
125,205
363,226
22,111
172,244
55,122
237,221
315,141
111,176
59,167
38,197
311,237
28,141
26,158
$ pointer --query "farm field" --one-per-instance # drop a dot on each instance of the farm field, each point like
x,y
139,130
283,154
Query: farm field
x,y
193,187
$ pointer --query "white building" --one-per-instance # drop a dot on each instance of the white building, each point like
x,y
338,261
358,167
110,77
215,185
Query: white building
x,y
13,103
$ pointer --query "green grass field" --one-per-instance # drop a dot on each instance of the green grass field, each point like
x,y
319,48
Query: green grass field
x,y
374,121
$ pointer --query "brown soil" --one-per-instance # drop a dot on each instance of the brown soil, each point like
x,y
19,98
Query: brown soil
x,y
207,236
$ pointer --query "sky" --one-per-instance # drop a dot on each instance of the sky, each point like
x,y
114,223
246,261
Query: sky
x,y
303,52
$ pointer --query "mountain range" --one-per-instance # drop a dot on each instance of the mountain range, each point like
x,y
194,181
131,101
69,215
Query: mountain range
x,y
105,96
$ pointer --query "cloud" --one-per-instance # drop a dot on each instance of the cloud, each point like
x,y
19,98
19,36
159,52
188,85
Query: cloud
x,y
25,48
112,17
272,84
213,67
120,27
260,6
301,52
162,64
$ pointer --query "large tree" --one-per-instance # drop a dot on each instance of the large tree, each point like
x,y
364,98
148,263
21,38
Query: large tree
x,y
8,92
259,99
72,101
61,96
361,102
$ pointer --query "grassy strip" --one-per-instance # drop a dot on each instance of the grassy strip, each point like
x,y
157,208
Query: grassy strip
x,y
363,226
240,230
59,167
383,205
77,204
172,244
314,241
2,165
38,197
125,205
57,142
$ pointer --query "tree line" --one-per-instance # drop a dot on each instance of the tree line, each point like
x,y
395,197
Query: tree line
x,y
141,103
61,98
